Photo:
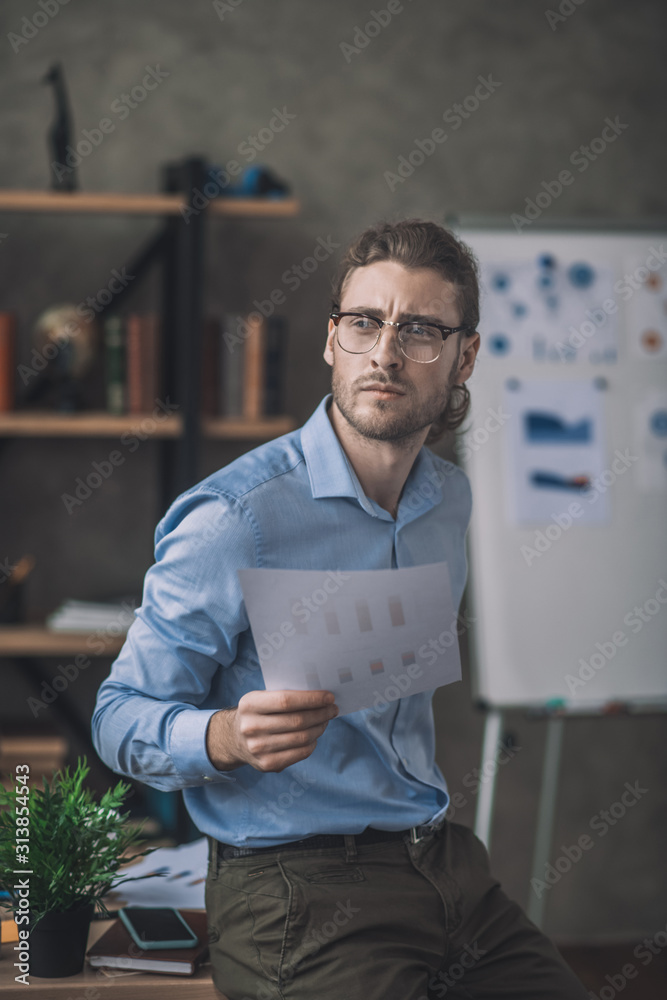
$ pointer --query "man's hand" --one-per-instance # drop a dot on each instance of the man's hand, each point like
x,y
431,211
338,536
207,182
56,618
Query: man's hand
x,y
269,729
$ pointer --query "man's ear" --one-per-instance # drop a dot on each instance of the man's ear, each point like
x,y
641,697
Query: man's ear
x,y
328,353
470,347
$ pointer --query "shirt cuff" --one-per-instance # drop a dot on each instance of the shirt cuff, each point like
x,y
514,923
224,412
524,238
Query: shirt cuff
x,y
188,747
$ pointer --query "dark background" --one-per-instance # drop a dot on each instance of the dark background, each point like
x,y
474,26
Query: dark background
x,y
354,117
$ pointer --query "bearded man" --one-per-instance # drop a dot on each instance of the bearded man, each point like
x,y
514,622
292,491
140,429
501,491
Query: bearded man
x,y
333,871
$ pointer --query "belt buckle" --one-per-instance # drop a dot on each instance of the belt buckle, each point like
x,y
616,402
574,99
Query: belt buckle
x,y
426,830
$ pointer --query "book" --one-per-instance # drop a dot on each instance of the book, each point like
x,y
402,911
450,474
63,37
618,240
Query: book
x,y
254,367
116,950
211,347
231,364
7,360
274,368
114,364
141,340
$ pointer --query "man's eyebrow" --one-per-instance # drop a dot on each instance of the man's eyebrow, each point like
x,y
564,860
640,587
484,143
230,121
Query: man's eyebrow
x,y
402,317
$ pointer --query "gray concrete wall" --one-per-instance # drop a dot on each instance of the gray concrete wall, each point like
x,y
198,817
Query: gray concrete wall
x,y
355,114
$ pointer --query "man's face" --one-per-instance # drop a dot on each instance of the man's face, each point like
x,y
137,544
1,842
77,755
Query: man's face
x,y
418,393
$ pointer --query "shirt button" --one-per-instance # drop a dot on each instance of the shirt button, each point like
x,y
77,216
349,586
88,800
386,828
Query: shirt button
x,y
206,777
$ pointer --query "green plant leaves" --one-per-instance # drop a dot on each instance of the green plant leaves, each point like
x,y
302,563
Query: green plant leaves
x,y
76,845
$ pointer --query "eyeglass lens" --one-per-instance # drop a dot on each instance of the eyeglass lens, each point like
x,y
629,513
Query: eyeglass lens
x,y
357,334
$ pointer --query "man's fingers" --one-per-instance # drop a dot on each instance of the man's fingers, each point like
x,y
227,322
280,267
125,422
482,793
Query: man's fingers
x,y
270,743
274,702
259,725
279,728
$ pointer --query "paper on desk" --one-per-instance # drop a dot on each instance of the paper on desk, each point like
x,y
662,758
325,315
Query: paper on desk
x,y
370,636
182,886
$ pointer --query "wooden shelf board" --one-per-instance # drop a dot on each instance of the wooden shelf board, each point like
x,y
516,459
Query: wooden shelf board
x,y
97,423
235,427
255,206
137,204
93,201
36,640
89,423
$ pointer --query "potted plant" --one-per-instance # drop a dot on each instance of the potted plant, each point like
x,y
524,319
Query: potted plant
x,y
60,852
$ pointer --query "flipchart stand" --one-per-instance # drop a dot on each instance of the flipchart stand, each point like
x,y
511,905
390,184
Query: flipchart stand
x,y
547,802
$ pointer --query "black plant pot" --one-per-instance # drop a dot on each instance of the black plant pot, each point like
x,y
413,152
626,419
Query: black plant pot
x,y
58,942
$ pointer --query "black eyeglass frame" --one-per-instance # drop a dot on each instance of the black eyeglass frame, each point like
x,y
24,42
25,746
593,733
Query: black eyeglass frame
x,y
446,331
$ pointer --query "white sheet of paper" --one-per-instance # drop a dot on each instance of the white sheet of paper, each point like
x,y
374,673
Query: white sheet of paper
x,y
370,636
182,885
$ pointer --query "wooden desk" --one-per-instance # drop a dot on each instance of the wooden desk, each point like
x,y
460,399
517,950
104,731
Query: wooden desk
x,y
93,984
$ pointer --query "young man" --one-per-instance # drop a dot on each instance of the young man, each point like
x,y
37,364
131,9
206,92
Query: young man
x,y
332,869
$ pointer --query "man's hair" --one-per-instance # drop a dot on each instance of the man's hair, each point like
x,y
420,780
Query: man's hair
x,y
416,243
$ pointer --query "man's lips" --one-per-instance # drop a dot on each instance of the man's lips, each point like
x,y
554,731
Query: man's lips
x,y
379,387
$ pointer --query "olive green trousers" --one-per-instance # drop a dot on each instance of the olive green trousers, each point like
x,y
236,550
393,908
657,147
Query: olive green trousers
x,y
387,921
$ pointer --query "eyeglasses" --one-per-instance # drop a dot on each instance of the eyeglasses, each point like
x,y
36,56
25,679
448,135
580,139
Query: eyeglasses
x,y
421,342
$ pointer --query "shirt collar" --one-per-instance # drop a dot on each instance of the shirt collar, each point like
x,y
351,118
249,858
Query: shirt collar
x,y
423,487
332,475
327,464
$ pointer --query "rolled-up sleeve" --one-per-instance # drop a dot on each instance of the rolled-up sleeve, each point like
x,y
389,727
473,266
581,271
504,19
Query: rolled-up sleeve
x,y
151,716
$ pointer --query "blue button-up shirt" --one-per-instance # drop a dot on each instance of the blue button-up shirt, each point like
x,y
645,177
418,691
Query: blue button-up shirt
x,y
292,503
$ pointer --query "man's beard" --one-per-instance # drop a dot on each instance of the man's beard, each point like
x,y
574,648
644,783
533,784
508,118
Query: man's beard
x,y
382,423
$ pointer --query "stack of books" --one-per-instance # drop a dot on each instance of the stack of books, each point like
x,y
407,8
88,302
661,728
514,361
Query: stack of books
x,y
89,616
131,363
243,365
116,950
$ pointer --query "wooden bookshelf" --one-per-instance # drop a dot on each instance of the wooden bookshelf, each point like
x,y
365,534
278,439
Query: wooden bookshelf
x,y
98,423
139,204
37,640
181,432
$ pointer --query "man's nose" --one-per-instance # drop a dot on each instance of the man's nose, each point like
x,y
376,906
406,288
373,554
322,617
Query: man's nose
x,y
387,352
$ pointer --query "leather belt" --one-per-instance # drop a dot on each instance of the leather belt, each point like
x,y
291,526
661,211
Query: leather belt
x,y
330,841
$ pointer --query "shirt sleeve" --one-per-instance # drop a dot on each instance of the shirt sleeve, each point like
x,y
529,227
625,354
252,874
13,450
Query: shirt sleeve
x,y
148,723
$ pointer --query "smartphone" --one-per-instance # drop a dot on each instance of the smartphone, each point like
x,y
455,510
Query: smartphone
x,y
157,927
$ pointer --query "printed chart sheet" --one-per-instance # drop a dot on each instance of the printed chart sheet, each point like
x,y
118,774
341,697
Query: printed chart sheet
x,y
370,636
